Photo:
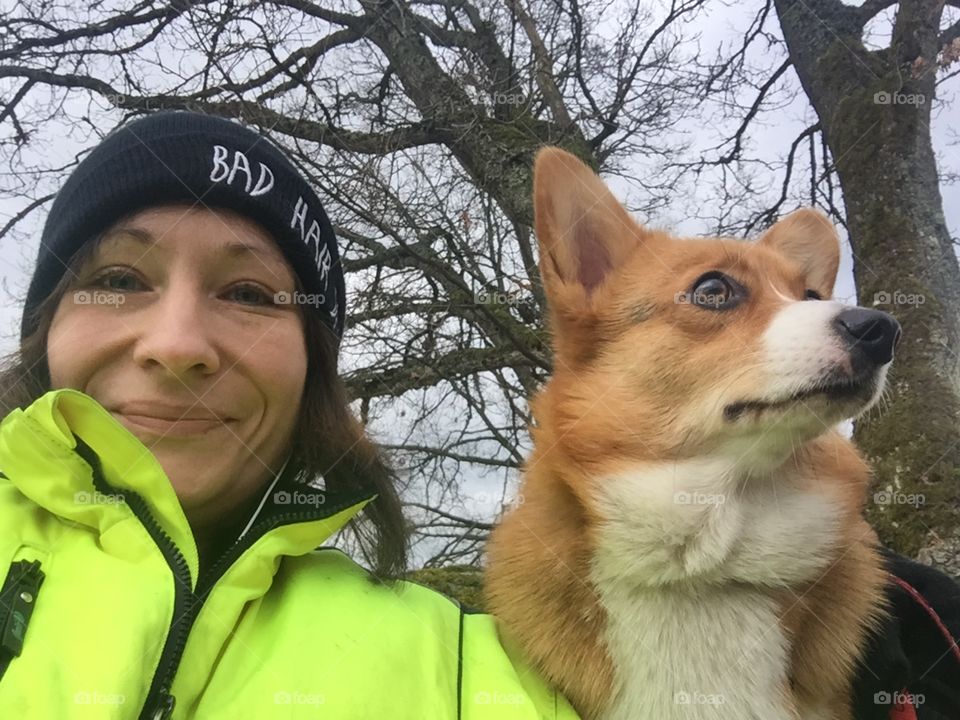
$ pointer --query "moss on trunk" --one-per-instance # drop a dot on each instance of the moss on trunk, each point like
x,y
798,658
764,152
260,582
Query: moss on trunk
x,y
904,260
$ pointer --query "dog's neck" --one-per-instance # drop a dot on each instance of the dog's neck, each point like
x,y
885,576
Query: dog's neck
x,y
691,563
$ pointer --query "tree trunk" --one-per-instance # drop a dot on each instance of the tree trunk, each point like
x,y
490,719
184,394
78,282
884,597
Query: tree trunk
x,y
874,107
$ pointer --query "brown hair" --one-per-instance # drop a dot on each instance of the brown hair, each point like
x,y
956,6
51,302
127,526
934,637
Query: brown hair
x,y
328,440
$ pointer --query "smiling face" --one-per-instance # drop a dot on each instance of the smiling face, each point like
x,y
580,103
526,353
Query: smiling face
x,y
176,333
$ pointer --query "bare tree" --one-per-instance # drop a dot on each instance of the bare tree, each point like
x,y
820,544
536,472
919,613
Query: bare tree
x,y
874,108
418,122
869,161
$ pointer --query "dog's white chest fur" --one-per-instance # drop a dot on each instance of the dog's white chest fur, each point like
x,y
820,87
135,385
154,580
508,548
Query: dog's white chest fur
x,y
681,656
679,567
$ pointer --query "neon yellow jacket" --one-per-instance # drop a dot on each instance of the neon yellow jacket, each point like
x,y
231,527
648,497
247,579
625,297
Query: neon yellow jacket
x,y
101,616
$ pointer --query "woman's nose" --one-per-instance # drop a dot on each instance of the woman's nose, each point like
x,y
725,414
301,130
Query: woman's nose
x,y
176,332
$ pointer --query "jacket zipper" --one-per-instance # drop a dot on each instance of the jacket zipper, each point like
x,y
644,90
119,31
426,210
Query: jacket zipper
x,y
160,702
18,597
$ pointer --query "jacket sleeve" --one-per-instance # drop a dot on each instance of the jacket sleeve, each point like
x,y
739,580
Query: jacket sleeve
x,y
914,658
497,682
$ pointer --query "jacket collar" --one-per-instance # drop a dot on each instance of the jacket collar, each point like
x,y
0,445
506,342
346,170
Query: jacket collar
x,y
39,454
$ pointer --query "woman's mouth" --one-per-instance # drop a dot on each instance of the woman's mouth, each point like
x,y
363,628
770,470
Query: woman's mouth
x,y
168,427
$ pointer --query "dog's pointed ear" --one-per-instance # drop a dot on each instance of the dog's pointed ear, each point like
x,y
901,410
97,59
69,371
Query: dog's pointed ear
x,y
807,237
582,229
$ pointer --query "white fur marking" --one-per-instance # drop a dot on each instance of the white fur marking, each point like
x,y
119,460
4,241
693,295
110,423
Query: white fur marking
x,y
678,566
801,346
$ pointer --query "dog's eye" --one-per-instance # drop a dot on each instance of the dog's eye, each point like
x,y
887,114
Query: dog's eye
x,y
715,291
812,295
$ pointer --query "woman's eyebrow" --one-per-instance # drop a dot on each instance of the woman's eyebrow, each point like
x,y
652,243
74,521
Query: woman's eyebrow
x,y
240,249
131,233
232,249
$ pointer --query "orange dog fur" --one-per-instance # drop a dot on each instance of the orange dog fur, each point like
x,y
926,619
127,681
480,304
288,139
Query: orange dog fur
x,y
691,541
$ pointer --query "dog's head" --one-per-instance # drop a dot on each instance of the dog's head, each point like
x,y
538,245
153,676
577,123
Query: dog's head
x,y
669,347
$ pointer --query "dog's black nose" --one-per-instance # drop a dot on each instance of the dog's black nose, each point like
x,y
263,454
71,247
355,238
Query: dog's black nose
x,y
872,334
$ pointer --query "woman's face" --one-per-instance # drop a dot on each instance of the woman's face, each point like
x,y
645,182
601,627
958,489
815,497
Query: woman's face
x,y
173,329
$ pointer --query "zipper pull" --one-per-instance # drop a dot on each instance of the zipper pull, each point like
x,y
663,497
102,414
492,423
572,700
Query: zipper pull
x,y
164,707
17,600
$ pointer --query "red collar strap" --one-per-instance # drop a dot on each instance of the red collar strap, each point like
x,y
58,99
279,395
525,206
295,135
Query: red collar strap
x,y
903,708
922,601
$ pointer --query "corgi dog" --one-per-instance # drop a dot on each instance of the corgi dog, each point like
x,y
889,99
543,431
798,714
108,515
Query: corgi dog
x,y
690,542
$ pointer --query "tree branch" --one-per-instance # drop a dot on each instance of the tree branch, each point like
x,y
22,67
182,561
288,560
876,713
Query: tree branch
x,y
544,72
468,522
119,21
773,212
734,154
394,381
949,35
413,135
871,8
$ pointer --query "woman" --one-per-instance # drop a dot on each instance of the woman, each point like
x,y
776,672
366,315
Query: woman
x,y
177,444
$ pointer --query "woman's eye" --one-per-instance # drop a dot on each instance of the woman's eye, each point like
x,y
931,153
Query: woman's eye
x,y
112,280
713,292
253,295
812,295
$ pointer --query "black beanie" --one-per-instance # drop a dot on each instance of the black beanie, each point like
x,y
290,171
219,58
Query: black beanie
x,y
179,156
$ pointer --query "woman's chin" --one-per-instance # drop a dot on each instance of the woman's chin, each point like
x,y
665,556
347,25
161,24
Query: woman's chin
x,y
194,493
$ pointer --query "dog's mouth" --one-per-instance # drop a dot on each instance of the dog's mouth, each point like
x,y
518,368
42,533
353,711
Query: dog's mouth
x,y
848,389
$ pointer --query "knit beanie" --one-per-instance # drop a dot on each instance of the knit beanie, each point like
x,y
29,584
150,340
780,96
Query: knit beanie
x,y
179,156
